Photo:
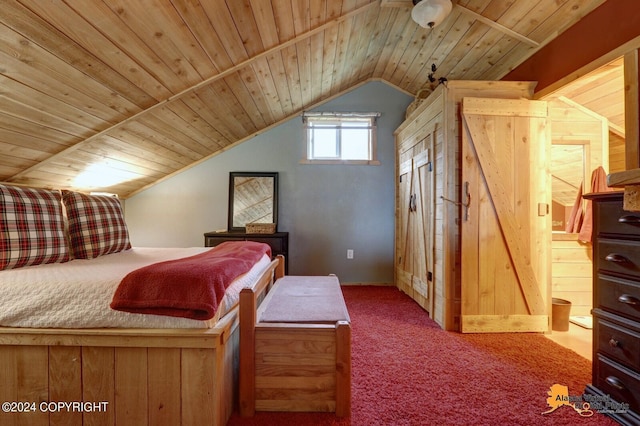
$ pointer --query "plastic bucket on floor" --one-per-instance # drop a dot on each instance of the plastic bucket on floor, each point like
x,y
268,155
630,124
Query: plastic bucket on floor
x,y
560,311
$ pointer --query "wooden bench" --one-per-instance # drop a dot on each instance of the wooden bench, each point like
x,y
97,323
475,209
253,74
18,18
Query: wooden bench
x,y
295,351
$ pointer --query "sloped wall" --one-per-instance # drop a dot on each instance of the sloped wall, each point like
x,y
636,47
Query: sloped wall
x,y
327,209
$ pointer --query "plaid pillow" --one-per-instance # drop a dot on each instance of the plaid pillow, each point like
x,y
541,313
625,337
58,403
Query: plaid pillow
x,y
96,224
31,227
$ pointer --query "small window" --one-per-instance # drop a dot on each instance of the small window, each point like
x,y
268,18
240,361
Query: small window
x,y
341,138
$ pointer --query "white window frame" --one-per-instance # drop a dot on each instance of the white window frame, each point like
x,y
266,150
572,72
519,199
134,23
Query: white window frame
x,y
341,121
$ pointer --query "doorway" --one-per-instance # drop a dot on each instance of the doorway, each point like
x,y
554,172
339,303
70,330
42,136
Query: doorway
x,y
588,132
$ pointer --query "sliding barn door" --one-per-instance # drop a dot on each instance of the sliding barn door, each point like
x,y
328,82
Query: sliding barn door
x,y
506,228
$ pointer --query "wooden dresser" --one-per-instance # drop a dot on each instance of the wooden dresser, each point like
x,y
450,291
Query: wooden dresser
x,y
278,241
616,309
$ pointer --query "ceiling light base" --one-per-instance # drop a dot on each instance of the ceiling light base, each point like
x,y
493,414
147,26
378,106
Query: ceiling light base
x,y
430,13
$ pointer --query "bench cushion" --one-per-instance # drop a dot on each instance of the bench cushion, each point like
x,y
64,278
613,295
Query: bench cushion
x,y
306,299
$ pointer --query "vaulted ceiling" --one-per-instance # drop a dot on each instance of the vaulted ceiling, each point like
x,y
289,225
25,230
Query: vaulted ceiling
x,y
138,90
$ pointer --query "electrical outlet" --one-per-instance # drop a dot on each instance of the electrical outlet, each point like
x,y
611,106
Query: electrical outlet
x,y
349,253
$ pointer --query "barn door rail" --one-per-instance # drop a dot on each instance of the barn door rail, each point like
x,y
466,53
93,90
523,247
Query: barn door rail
x,y
465,204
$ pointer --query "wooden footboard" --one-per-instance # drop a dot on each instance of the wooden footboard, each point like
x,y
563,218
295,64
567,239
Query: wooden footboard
x,y
122,376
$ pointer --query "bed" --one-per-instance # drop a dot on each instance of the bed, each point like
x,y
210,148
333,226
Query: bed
x,y
151,372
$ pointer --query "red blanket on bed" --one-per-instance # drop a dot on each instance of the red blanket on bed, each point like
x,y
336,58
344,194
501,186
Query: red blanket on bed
x,y
191,287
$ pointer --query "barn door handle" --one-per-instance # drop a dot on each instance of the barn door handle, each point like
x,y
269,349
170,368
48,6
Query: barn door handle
x,y
467,201
413,202
465,204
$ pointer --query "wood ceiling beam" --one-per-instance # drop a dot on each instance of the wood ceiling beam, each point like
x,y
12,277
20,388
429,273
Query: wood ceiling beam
x,y
618,130
396,3
329,24
496,26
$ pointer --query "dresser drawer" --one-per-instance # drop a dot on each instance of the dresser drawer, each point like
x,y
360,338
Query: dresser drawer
x,y
618,295
618,343
618,256
621,383
614,220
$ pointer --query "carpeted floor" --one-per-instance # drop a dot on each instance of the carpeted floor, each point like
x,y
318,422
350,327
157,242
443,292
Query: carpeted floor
x,y
407,371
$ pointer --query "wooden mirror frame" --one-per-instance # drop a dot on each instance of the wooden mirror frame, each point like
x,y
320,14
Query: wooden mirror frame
x,y
237,225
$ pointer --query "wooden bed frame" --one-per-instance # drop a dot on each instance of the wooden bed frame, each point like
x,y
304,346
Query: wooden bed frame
x,y
123,376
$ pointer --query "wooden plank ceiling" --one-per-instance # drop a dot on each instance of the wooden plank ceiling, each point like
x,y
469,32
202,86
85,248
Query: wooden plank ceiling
x,y
137,90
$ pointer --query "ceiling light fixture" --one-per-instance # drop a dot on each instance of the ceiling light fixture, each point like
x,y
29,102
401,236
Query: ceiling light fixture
x,y
429,13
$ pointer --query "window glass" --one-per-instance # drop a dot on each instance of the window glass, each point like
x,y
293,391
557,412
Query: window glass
x,y
355,144
340,137
324,144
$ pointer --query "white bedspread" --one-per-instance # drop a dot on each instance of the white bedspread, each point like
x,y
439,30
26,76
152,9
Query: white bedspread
x,y
77,294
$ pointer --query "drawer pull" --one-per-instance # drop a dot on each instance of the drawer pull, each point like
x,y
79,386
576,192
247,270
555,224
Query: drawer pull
x,y
628,299
614,343
630,219
615,382
617,258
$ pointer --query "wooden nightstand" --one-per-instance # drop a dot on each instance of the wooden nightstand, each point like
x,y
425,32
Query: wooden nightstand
x,y
279,242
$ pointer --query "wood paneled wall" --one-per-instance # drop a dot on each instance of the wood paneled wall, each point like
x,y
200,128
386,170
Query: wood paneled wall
x,y
572,272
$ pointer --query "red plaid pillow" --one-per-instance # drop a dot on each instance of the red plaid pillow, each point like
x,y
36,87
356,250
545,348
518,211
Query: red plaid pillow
x,y
96,224
31,227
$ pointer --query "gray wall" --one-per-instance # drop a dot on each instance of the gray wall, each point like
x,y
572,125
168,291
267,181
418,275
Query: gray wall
x,y
326,209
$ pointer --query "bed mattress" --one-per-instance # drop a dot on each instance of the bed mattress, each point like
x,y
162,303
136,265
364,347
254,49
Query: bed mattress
x,y
77,294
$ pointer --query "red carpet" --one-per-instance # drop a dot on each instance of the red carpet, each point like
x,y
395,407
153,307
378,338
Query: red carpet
x,y
407,371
